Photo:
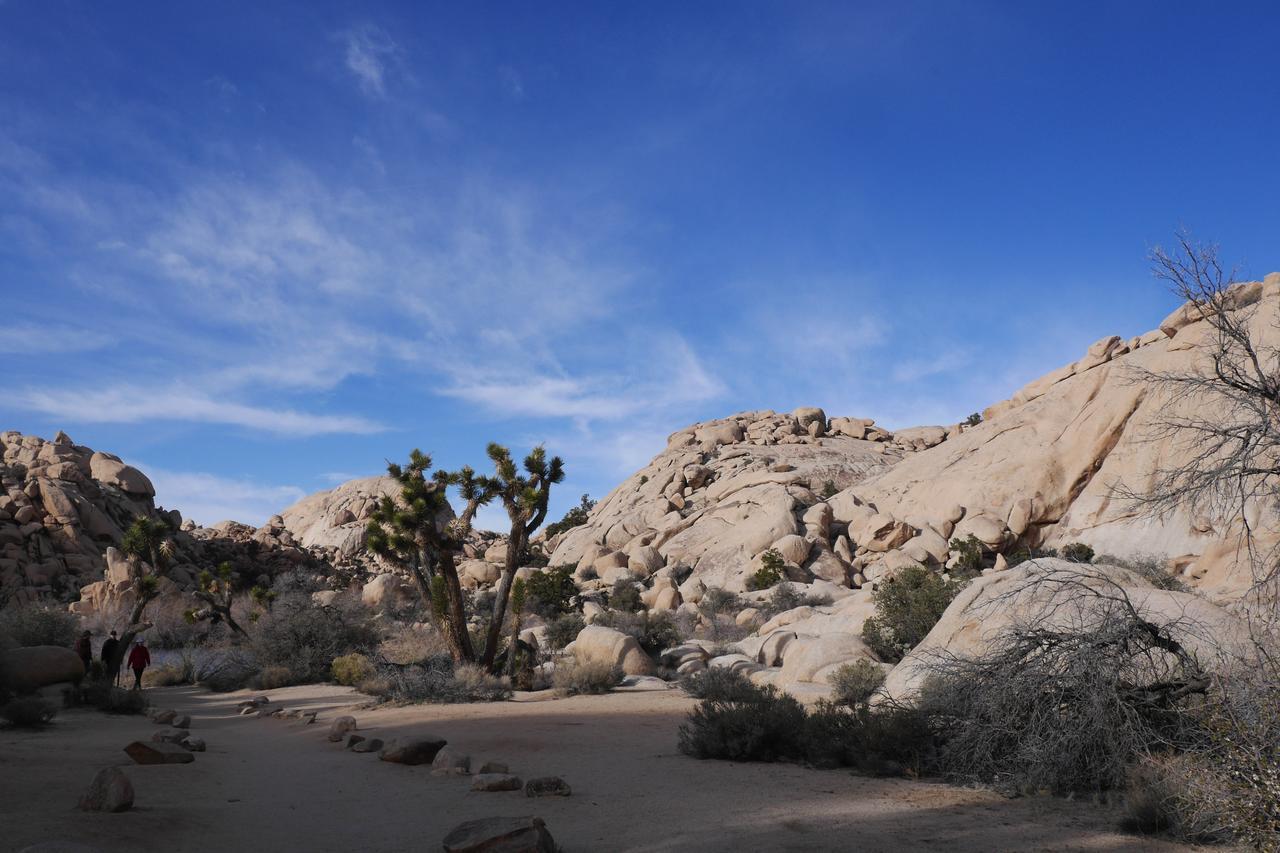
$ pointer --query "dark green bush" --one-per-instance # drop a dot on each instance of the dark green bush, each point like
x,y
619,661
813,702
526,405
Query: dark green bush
x,y
853,683
28,712
764,724
564,629
1077,552
829,489
573,518
908,605
36,625
720,684
969,556
653,631
889,741
551,591
770,571
625,596
973,420
111,699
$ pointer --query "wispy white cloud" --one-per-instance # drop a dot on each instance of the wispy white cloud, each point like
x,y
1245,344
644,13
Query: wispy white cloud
x,y
127,404
209,498
369,53
51,337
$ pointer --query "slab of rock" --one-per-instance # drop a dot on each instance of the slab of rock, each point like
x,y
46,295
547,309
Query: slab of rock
x,y
547,786
158,753
169,736
163,716
494,767
110,791
496,782
371,744
192,744
353,739
339,728
597,644
500,835
420,749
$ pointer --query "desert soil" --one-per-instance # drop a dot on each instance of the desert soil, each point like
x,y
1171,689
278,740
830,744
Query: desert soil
x,y
273,784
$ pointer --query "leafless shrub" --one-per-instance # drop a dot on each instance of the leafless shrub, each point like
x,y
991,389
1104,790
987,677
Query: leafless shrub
x,y
1066,701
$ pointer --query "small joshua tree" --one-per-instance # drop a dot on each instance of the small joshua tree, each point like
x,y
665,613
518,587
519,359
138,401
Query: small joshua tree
x,y
216,590
146,539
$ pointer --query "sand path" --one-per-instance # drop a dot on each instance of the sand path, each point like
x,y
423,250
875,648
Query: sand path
x,y
274,785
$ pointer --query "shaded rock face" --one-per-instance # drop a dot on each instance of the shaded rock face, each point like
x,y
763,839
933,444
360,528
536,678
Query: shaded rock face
x,y
64,508
33,667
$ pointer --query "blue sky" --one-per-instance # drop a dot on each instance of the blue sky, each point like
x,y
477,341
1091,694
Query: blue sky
x,y
258,251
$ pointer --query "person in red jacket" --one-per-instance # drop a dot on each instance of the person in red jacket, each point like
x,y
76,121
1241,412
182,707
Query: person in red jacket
x,y
139,659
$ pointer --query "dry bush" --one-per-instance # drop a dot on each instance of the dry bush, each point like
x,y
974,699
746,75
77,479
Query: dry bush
x,y
303,638
563,630
854,683
409,644
28,712
36,625
720,684
352,669
1065,702
573,678
273,677
437,680
1173,796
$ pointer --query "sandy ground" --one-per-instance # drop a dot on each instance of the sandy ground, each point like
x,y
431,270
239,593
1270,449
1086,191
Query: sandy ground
x,y
270,784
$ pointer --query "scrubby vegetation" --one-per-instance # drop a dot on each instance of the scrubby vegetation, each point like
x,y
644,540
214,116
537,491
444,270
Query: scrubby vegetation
x,y
573,518
853,683
352,669
551,592
654,631
28,712
576,677
437,680
297,642
908,605
563,630
770,571
624,595
39,626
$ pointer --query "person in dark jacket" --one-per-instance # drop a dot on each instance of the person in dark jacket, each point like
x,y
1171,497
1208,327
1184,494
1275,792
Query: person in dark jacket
x,y
84,648
110,665
139,660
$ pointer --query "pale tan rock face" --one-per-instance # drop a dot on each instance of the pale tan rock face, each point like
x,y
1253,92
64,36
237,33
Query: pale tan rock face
x,y
336,518
743,484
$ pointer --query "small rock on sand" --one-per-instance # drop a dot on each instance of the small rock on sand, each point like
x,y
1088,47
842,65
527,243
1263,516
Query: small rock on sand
x,y
547,786
339,728
508,834
110,791
421,749
496,782
158,753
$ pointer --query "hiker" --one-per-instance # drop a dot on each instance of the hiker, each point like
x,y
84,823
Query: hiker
x,y
139,659
110,664
84,648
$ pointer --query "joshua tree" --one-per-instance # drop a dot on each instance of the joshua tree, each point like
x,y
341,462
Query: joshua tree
x,y
417,534
146,539
216,589
525,500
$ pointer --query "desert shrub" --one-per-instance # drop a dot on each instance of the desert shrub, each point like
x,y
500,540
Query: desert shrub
x,y
719,684
304,639
437,680
377,686
407,644
224,670
576,677
853,683
573,518
625,596
829,489
1021,555
1064,706
551,592
35,625
166,675
888,741
273,677
111,699
564,629
1077,552
968,553
717,601
653,631
352,669
760,724
787,596
908,605
1153,569
770,571
28,712
1174,796
973,420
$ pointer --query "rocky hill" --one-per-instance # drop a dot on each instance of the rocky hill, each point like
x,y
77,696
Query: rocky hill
x,y
65,507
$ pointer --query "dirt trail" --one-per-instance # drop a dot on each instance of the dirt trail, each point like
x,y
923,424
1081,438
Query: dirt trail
x,y
269,784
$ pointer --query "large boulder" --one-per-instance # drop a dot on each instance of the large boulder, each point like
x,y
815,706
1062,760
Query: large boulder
x,y
32,667
109,470
597,644
413,749
110,791
1033,593
500,835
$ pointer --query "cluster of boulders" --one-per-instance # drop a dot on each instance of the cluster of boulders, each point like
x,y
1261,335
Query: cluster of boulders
x,y
64,509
